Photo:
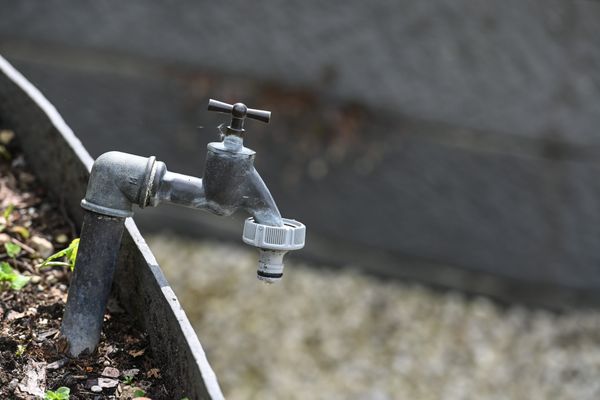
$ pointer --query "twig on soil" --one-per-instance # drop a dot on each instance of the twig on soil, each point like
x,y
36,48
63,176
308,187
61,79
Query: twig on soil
x,y
57,364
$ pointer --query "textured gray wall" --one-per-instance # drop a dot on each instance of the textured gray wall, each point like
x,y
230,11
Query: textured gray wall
x,y
409,136
484,64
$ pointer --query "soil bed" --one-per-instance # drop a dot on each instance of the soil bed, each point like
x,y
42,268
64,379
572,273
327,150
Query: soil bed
x,y
31,361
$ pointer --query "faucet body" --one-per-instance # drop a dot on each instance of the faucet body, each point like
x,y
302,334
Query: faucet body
x,y
230,182
118,181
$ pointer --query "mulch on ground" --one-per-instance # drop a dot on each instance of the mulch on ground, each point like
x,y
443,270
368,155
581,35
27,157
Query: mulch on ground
x,y
31,361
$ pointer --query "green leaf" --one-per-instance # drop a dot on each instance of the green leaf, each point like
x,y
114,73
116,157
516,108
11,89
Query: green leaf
x,y
7,211
70,253
5,269
20,350
4,153
12,249
19,281
21,230
8,274
54,256
73,248
62,393
139,393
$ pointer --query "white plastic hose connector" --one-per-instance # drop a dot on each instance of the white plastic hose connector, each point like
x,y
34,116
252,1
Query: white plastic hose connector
x,y
273,242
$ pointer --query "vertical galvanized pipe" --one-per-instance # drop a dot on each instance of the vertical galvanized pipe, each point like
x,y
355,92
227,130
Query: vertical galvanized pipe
x,y
91,282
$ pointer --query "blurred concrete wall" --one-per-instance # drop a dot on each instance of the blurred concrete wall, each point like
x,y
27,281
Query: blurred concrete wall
x,y
451,141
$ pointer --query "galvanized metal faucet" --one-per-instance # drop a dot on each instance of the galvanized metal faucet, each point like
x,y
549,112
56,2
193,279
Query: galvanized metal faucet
x,y
118,181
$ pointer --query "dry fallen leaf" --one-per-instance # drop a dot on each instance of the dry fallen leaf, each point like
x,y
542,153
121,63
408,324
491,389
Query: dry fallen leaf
x,y
131,339
107,383
131,372
111,372
4,238
34,382
6,136
13,315
153,373
136,353
21,231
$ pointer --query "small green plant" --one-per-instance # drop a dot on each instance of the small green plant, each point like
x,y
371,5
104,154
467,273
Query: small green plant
x,y
7,212
6,215
8,223
12,249
70,253
139,393
62,393
8,274
128,379
4,153
20,350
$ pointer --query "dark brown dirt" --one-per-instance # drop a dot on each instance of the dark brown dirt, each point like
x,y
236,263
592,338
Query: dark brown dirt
x,y
30,318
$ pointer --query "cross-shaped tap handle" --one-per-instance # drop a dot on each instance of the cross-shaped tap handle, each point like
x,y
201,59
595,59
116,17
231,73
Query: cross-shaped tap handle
x,y
239,112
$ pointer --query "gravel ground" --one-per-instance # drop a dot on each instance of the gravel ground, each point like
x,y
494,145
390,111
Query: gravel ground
x,y
322,334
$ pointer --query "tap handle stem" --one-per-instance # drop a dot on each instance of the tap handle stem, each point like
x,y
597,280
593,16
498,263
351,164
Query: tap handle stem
x,y
239,112
219,106
259,115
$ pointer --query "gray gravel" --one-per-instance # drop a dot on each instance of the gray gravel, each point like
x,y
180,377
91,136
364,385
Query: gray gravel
x,y
322,334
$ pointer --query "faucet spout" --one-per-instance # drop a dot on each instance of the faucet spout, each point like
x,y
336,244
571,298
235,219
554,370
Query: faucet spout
x,y
259,202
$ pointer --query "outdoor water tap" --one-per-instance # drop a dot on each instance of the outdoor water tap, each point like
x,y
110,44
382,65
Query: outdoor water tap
x,y
231,162
120,180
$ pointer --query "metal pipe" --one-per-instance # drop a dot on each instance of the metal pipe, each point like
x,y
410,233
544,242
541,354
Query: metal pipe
x,y
184,190
91,282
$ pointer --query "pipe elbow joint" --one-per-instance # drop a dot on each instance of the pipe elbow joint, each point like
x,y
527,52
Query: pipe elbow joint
x,y
120,180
